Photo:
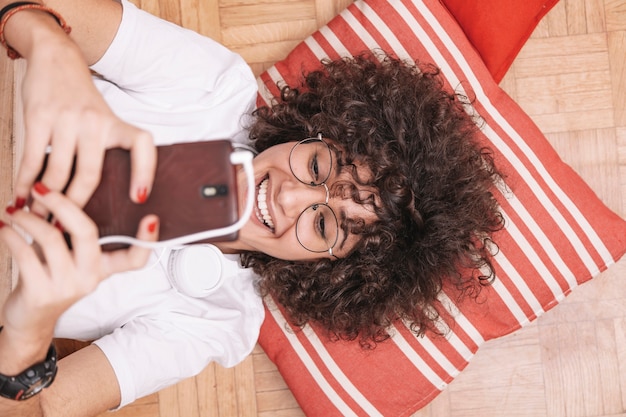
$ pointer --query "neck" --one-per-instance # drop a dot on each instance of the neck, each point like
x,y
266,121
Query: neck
x,y
229,247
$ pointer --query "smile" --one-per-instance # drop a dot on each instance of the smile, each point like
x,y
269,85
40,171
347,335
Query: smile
x,y
262,211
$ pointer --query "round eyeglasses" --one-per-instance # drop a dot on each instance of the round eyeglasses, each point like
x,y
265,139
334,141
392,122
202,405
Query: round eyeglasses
x,y
311,163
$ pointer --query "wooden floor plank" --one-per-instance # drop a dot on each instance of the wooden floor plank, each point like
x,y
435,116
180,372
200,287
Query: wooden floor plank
x,y
620,341
595,16
245,388
608,366
576,17
207,389
6,164
615,11
226,391
617,57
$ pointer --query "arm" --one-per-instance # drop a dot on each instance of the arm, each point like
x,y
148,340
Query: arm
x,y
50,282
93,24
85,385
63,108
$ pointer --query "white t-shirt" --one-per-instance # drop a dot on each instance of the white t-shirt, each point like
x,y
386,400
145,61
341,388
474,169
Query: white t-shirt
x,y
181,87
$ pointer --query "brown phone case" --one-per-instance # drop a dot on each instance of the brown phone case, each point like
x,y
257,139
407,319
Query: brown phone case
x,y
194,190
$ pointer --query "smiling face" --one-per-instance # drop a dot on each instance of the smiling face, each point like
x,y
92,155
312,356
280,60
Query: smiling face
x,y
284,203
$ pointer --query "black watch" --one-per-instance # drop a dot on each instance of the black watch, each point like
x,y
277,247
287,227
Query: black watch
x,y
31,381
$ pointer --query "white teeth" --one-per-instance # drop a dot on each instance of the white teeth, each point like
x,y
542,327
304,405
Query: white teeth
x,y
263,213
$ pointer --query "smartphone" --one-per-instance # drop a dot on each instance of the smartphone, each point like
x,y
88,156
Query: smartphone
x,y
194,190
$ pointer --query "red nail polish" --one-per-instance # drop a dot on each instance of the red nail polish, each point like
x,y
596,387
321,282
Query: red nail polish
x,y
152,226
20,202
11,209
41,189
142,195
1,224
59,226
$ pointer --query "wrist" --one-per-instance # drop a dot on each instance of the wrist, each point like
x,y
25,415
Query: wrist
x,y
18,353
30,381
24,25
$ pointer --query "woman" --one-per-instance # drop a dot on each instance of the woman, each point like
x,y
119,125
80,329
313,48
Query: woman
x,y
395,218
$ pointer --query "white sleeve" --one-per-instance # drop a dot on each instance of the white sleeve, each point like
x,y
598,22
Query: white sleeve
x,y
173,81
155,350
152,353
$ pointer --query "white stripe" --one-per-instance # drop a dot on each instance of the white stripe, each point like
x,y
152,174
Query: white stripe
x,y
451,339
450,335
380,25
480,95
315,48
529,220
509,300
523,288
308,362
264,91
334,41
521,241
359,29
417,360
341,378
462,349
460,318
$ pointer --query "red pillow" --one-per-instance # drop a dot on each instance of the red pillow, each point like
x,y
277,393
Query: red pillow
x,y
498,28
557,234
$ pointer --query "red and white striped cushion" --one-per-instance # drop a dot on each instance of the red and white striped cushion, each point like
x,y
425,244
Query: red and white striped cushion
x,y
558,233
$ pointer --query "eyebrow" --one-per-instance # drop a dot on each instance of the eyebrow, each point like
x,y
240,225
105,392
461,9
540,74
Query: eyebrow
x,y
342,214
342,226
335,153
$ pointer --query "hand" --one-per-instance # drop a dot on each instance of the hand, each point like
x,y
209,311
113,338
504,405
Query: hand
x,y
63,108
50,282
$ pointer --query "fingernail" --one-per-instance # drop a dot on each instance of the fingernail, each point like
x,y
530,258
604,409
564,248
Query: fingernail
x,y
59,226
152,226
20,202
142,195
1,224
11,209
40,188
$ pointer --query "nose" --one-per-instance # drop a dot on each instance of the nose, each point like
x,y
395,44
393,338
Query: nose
x,y
295,196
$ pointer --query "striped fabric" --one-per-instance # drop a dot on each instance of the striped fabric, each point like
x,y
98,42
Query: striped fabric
x,y
558,233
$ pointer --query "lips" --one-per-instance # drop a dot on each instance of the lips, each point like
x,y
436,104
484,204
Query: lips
x,y
262,210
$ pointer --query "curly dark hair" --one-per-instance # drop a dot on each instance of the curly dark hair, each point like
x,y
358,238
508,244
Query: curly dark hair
x,y
436,212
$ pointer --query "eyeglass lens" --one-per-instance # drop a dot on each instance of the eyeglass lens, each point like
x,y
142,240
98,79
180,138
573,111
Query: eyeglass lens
x,y
311,161
317,228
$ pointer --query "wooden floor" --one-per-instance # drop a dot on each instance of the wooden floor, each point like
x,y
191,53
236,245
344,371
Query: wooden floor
x,y
571,79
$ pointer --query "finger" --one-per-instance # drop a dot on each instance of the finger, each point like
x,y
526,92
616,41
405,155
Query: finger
x,y
38,209
48,238
36,140
88,171
23,253
61,157
135,256
143,157
58,166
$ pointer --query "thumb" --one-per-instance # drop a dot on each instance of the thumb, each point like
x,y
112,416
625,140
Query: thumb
x,y
135,256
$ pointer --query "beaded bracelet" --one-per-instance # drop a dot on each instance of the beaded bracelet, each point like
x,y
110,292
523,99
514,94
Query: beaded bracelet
x,y
11,9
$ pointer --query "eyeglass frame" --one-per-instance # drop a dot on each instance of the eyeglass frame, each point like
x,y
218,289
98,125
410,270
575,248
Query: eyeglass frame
x,y
313,184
